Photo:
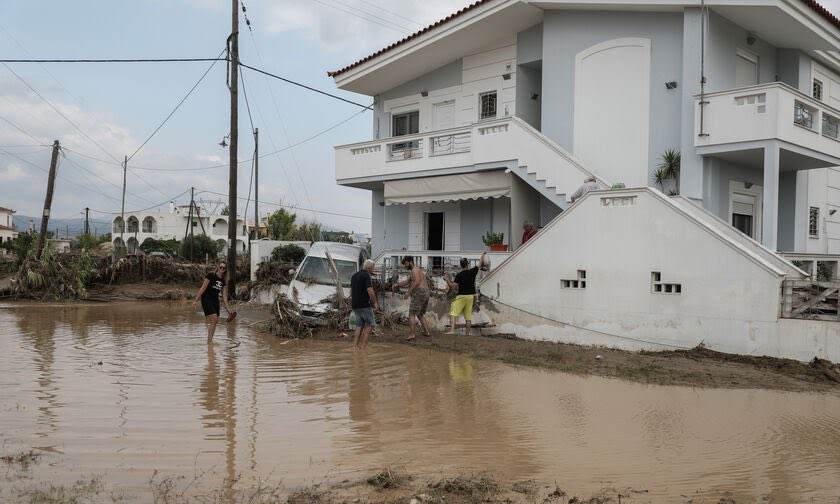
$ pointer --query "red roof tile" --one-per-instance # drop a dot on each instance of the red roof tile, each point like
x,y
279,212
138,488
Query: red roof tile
x,y
813,4
7,228
3,209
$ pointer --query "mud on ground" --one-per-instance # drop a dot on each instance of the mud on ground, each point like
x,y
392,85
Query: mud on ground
x,y
699,367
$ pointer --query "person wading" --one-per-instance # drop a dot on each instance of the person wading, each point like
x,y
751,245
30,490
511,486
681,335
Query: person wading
x,y
419,294
215,284
363,303
464,284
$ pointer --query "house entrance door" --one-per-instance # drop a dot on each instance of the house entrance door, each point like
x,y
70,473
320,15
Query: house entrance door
x,y
434,237
745,209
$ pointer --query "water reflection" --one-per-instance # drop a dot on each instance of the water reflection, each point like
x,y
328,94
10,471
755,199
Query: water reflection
x,y
259,407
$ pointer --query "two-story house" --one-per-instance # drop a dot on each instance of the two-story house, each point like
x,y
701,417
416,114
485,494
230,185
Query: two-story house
x,y
7,225
496,114
175,224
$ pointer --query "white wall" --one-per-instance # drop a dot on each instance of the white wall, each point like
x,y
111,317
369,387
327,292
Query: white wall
x,y
417,224
730,300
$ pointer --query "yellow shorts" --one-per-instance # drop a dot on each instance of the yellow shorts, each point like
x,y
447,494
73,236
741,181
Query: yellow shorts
x,y
462,303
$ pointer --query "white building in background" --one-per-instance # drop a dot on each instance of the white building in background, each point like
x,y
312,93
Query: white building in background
x,y
8,232
496,114
175,224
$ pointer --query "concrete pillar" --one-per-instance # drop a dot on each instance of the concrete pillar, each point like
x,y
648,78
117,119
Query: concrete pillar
x,y
770,196
691,170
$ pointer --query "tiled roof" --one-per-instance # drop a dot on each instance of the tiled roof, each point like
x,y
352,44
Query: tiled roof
x,y
410,37
3,209
813,4
7,228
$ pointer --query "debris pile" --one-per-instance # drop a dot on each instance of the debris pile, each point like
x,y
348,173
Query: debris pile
x,y
59,276
272,273
286,320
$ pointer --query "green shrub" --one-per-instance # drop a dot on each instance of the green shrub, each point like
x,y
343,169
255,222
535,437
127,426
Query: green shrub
x,y
202,245
288,253
172,247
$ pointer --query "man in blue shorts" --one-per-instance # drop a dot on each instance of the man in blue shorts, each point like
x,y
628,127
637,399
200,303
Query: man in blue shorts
x,y
363,303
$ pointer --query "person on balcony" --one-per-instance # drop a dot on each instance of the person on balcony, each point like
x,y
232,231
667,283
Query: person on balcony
x,y
589,184
464,285
528,231
419,294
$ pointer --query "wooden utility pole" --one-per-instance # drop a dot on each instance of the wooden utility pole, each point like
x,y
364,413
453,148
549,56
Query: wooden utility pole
x,y
87,221
45,217
256,183
234,145
122,210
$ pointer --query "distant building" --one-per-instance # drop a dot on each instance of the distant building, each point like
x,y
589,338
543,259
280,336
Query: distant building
x,y
175,224
61,245
8,232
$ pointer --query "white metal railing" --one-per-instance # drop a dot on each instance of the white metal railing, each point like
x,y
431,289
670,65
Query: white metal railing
x,y
435,262
405,149
453,143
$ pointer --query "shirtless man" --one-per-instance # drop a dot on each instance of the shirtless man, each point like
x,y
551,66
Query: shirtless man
x,y
419,294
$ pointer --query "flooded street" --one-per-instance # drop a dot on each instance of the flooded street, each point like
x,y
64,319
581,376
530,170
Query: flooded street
x,y
124,390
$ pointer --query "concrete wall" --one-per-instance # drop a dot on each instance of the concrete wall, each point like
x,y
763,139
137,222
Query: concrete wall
x,y
476,219
529,94
786,240
717,176
529,45
525,205
567,33
729,301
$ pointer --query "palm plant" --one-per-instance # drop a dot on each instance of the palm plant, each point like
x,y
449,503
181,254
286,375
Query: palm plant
x,y
668,169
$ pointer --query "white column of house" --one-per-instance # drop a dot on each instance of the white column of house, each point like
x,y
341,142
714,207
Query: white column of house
x,y
770,197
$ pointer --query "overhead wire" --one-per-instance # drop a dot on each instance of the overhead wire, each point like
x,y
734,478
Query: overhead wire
x,y
136,60
15,126
310,88
391,26
393,13
179,104
291,207
143,209
253,132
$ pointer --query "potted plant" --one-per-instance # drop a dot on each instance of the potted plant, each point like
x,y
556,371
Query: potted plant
x,y
495,241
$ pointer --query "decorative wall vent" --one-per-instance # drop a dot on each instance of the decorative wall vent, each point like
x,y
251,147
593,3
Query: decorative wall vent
x,y
660,287
579,283
759,101
618,201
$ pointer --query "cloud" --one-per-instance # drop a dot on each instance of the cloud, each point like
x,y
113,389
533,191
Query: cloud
x,y
13,172
361,24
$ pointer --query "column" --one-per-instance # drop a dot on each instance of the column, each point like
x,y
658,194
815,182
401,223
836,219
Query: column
x,y
770,197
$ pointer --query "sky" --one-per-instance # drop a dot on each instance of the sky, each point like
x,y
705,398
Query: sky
x,y
101,113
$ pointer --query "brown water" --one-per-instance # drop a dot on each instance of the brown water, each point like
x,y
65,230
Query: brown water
x,y
122,390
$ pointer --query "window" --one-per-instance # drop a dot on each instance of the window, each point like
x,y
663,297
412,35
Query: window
x,y
746,68
814,222
817,89
803,115
579,283
660,287
405,124
487,105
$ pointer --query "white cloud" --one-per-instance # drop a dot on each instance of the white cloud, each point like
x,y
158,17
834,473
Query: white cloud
x,y
13,172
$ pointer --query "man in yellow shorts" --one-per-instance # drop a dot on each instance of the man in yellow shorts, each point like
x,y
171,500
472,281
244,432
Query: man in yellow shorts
x,y
464,285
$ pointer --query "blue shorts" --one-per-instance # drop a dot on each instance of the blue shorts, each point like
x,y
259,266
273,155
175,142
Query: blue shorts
x,y
364,317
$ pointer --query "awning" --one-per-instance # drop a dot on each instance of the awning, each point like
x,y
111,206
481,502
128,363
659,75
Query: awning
x,y
474,185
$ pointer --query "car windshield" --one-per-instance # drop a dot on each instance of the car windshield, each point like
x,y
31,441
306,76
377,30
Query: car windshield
x,y
317,270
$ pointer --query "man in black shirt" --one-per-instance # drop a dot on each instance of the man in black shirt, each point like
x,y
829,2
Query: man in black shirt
x,y
363,299
464,285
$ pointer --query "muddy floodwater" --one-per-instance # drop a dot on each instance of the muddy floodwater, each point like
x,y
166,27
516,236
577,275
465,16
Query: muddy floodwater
x,y
124,390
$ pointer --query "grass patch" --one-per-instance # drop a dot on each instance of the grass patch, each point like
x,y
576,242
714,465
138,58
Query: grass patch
x,y
389,478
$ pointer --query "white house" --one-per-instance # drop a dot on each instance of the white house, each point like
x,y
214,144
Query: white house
x,y
496,114
137,228
8,232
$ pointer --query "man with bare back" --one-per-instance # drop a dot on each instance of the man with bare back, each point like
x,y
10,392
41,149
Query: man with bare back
x,y
419,294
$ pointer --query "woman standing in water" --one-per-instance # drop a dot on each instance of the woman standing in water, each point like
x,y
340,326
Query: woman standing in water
x,y
215,283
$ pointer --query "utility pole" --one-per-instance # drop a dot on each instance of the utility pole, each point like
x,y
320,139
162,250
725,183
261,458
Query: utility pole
x,y
87,221
192,228
45,217
234,144
256,183
122,210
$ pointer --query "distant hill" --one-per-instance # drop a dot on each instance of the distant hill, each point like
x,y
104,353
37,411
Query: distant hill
x,y
64,227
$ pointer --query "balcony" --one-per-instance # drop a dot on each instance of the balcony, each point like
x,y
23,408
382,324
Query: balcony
x,y
764,112
507,142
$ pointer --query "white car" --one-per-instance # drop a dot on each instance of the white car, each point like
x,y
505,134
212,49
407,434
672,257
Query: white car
x,y
314,280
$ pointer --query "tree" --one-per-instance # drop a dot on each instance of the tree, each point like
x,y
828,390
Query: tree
x,y
288,253
308,231
201,245
171,246
281,225
226,210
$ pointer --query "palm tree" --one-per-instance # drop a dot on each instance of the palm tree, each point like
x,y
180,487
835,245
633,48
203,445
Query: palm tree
x,y
668,169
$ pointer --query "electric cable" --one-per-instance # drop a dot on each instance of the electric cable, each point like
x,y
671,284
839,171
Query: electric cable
x,y
395,27
292,207
15,126
142,209
113,60
588,329
289,81
393,13
179,104
370,16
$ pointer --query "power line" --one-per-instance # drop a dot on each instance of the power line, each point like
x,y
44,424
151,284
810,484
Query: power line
x,y
289,81
144,60
397,14
59,112
142,209
293,207
179,104
15,126
391,26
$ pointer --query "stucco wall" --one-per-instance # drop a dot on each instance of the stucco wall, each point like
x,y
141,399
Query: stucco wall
x,y
476,219
567,33
389,225
726,298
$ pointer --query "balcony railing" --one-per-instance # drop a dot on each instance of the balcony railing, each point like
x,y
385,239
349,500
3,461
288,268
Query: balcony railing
x,y
768,111
493,144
